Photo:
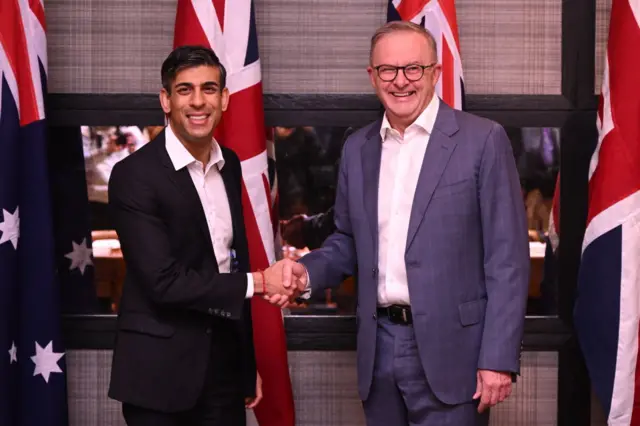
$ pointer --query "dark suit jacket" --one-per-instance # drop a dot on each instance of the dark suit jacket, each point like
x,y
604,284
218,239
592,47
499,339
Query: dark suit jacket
x,y
173,296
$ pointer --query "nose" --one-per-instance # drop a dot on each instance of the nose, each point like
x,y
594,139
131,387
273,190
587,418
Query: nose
x,y
197,98
400,80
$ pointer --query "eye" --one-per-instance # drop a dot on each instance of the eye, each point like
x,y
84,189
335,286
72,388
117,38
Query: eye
x,y
183,90
387,70
210,90
413,69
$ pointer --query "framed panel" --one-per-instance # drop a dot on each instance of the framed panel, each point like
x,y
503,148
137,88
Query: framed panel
x,y
508,47
89,85
306,167
324,385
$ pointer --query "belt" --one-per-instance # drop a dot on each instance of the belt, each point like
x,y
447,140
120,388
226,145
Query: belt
x,y
397,314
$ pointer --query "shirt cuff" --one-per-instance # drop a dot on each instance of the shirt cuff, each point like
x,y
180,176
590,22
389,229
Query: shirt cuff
x,y
306,293
249,294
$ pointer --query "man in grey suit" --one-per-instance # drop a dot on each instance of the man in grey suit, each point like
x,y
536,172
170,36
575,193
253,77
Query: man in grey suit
x,y
429,214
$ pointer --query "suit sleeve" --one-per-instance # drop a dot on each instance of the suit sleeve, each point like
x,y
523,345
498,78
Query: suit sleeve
x,y
506,255
147,251
336,259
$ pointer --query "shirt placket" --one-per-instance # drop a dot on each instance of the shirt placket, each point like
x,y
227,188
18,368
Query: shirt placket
x,y
395,220
385,210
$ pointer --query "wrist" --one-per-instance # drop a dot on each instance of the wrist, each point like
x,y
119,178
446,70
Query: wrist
x,y
259,283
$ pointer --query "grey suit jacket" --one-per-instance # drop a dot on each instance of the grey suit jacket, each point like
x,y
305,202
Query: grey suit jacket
x,y
467,254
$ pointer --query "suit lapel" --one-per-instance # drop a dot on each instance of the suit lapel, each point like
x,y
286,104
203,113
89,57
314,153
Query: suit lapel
x,y
182,179
184,184
371,155
235,205
436,157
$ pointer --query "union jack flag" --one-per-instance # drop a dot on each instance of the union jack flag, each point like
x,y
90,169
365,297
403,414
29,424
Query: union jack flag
x,y
32,365
607,310
439,18
229,28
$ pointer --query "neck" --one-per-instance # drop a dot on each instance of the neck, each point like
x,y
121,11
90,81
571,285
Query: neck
x,y
200,150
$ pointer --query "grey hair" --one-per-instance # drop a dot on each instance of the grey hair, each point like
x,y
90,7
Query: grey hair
x,y
398,26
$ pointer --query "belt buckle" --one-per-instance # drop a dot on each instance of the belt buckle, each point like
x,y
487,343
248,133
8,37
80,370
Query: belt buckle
x,y
398,314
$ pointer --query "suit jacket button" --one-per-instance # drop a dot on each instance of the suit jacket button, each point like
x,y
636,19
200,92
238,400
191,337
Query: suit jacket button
x,y
374,271
375,316
208,331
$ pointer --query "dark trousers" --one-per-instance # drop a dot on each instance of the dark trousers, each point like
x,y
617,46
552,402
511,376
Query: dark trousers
x,y
221,402
400,393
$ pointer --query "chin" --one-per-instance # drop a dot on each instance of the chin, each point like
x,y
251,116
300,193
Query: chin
x,y
406,111
199,131
197,136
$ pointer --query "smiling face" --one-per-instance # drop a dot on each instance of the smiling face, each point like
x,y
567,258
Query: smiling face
x,y
404,100
195,103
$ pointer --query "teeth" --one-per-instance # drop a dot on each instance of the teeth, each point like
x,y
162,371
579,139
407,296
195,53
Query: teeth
x,y
402,95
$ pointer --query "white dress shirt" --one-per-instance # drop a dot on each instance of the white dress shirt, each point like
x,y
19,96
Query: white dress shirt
x,y
400,167
213,196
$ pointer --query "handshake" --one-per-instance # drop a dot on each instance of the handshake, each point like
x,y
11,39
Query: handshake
x,y
281,282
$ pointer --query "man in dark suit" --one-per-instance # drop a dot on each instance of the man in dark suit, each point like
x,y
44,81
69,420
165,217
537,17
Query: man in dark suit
x,y
184,349
429,210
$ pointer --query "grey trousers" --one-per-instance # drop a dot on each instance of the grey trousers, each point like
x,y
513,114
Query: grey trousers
x,y
400,394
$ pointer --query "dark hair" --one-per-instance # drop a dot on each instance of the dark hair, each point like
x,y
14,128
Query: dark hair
x,y
189,57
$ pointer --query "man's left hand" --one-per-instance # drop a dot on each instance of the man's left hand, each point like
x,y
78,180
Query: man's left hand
x,y
492,387
253,402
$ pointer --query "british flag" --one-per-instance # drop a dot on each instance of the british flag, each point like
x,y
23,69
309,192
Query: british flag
x,y
229,28
607,310
439,18
32,365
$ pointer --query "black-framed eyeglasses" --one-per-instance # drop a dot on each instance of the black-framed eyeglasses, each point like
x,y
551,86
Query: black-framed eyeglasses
x,y
413,72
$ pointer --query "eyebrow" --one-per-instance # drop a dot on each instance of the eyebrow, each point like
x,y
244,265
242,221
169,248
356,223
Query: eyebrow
x,y
190,85
406,65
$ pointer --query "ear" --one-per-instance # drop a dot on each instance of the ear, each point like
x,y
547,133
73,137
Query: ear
x,y
372,76
164,101
437,72
225,98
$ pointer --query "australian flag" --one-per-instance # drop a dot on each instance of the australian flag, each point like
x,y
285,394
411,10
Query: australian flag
x,y
32,358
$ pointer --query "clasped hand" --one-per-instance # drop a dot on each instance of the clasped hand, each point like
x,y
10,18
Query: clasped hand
x,y
284,281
